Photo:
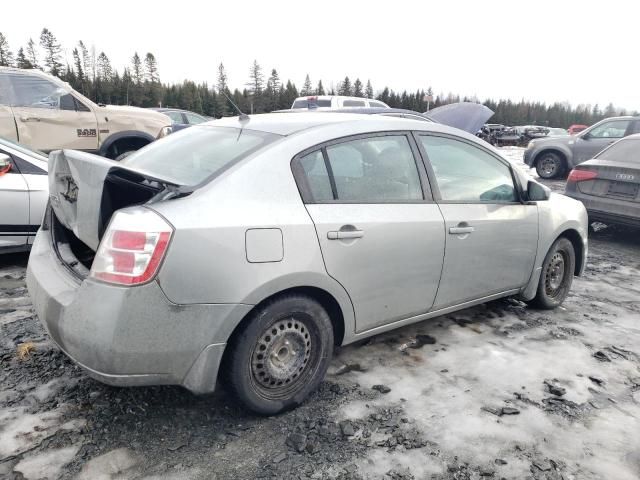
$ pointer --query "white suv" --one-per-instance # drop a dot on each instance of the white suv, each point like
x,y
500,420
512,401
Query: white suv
x,y
328,102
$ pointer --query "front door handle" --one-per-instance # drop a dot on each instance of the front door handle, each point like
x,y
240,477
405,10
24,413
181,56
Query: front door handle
x,y
460,230
30,119
345,234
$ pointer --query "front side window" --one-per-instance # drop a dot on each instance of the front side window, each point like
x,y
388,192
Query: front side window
x,y
375,170
176,117
613,129
353,103
377,104
465,173
37,92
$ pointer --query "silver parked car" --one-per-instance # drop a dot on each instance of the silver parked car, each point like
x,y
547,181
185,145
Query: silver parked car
x,y
250,247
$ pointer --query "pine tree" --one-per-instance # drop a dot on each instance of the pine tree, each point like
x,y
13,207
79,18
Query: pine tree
x,y
307,89
151,68
153,88
52,52
21,60
6,57
320,88
368,92
357,88
223,89
272,91
136,69
256,85
32,53
86,60
345,87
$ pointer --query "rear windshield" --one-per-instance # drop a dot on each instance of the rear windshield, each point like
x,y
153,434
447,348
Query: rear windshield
x,y
305,103
627,150
191,156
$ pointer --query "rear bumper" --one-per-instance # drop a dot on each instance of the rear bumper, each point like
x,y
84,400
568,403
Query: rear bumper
x,y
608,210
128,336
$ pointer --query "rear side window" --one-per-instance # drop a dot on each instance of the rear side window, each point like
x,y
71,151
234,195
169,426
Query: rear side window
x,y
376,104
194,119
320,103
378,169
176,117
193,155
627,150
465,173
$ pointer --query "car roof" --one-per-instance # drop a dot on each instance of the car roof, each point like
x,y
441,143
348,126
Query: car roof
x,y
285,125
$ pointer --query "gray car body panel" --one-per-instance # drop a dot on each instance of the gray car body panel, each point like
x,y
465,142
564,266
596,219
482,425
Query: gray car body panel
x,y
208,282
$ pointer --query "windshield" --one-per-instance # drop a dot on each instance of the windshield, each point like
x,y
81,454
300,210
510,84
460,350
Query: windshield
x,y
627,150
191,156
23,149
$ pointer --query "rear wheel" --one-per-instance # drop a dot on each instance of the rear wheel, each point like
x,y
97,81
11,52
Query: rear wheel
x,y
557,275
281,356
550,165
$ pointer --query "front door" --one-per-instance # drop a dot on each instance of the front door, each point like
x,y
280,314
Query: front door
x,y
49,118
14,209
491,237
596,139
381,235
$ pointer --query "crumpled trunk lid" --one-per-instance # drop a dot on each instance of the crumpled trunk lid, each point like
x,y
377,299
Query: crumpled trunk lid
x,y
85,190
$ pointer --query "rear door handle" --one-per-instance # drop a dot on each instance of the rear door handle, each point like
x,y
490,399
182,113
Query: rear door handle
x,y
460,230
344,234
30,119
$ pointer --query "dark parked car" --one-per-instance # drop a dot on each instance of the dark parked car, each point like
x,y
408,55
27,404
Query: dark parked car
x,y
182,118
609,185
499,135
554,157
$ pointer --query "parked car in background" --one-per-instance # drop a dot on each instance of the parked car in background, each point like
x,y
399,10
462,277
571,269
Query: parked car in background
x,y
259,243
466,116
557,132
609,185
554,157
181,118
42,112
573,129
335,101
499,135
24,191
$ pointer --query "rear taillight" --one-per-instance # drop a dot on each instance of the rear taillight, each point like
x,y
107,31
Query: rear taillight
x,y
581,175
132,248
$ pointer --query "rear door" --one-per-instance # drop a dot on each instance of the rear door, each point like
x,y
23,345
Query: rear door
x,y
587,145
14,214
49,118
491,237
381,235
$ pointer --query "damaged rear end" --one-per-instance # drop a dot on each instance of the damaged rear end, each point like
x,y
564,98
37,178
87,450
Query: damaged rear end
x,y
85,191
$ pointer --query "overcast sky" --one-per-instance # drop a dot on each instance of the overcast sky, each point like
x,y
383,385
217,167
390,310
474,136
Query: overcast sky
x,y
574,51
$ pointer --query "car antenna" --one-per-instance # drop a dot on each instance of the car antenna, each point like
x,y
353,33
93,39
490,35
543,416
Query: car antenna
x,y
242,116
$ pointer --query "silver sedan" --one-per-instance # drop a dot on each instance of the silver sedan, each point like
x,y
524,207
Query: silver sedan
x,y
245,249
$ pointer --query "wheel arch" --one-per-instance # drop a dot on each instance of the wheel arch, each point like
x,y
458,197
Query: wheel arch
x,y
578,247
135,136
564,155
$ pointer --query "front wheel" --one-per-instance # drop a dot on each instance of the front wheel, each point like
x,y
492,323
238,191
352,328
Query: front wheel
x,y
556,276
550,165
281,356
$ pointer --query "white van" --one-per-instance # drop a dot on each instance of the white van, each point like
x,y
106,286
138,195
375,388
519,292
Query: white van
x,y
335,101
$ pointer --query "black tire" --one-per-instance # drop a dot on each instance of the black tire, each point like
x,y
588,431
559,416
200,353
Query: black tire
x,y
281,356
556,276
550,165
123,155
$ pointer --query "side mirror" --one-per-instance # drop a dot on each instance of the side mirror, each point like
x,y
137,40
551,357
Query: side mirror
x,y
5,164
537,192
585,136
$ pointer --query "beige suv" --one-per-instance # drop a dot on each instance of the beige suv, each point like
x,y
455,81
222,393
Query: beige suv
x,y
45,113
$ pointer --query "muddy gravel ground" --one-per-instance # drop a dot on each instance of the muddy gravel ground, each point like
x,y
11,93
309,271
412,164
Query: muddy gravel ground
x,y
495,391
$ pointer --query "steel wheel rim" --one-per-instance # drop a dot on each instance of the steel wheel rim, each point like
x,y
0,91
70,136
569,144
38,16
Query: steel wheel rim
x,y
548,166
281,357
555,274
